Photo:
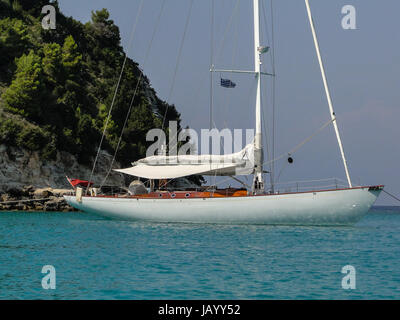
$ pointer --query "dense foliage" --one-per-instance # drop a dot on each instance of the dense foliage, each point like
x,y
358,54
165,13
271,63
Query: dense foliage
x,y
57,86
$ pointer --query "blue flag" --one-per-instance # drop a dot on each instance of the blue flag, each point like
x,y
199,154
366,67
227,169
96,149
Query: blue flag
x,y
227,83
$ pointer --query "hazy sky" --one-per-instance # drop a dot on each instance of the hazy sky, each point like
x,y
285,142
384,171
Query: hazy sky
x,y
363,68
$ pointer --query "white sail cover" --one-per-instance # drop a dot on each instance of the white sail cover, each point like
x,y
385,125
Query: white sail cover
x,y
170,167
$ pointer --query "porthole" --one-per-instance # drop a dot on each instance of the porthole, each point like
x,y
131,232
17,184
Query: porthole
x,y
173,195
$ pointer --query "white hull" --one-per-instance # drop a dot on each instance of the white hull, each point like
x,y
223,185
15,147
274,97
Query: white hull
x,y
333,207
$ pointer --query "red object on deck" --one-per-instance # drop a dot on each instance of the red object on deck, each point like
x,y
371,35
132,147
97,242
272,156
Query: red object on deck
x,y
79,183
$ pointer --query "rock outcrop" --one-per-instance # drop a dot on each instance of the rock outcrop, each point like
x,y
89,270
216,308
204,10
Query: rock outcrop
x,y
20,168
30,199
29,183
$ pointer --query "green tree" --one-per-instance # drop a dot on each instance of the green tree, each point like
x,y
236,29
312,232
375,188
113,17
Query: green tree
x,y
25,94
5,8
104,38
31,138
9,130
71,57
61,84
104,29
52,65
14,41
34,7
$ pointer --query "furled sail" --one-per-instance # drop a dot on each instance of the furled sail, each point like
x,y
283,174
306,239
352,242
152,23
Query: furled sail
x,y
170,167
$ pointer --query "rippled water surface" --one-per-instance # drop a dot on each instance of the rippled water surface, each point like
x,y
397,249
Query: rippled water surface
x,y
97,258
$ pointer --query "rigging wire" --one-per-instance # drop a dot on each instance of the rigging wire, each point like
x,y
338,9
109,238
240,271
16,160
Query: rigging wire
x,y
265,131
234,53
211,60
227,29
116,89
176,70
178,61
273,95
233,24
265,125
293,150
274,86
394,197
211,68
136,89
280,172
271,42
264,122
212,57
301,143
314,180
249,95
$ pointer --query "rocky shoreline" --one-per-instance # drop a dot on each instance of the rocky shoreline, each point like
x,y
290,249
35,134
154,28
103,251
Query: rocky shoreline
x,y
29,183
30,198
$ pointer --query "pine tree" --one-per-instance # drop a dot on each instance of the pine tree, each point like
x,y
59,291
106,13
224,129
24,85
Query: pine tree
x,y
26,92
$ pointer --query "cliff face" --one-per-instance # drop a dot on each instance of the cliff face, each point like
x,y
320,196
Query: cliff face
x,y
20,168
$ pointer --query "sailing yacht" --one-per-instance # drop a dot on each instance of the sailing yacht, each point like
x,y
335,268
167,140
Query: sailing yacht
x,y
252,205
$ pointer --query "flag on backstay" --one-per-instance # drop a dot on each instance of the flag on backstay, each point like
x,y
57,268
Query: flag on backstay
x,y
227,83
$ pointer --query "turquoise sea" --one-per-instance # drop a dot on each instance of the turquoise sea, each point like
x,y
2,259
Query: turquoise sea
x,y
95,258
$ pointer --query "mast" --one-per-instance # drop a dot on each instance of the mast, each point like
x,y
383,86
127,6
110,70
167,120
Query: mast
x,y
258,184
328,95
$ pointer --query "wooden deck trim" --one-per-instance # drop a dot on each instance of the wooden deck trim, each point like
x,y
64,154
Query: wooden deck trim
x,y
178,194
